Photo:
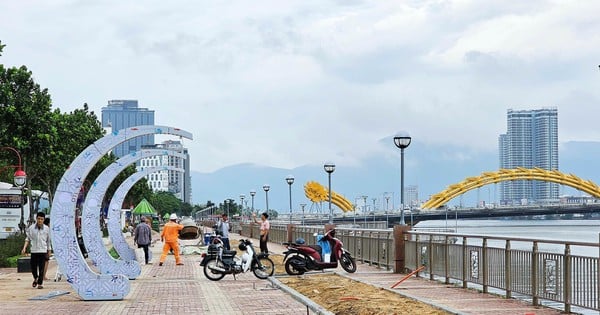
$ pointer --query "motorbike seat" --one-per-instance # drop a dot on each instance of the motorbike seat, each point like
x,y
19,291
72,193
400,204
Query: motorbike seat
x,y
317,248
229,252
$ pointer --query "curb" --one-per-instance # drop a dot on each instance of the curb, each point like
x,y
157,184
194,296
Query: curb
x,y
318,309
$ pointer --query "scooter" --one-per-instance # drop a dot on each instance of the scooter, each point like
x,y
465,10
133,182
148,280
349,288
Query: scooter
x,y
224,262
300,258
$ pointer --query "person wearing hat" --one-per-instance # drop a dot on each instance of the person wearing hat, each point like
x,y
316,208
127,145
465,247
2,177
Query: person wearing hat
x,y
142,236
170,236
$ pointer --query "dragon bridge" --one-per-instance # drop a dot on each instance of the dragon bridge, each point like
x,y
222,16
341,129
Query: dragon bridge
x,y
317,193
501,175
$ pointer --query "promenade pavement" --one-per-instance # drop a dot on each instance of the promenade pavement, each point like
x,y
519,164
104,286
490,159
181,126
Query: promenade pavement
x,y
171,289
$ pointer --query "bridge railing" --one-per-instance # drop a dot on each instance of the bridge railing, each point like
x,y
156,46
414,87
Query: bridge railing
x,y
540,269
372,246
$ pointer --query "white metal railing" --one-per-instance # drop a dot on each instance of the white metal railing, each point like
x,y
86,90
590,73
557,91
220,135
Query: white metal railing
x,y
494,262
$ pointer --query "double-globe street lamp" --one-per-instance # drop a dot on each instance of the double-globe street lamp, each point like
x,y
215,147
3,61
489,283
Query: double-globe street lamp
x,y
266,188
252,194
242,197
402,141
329,168
290,180
19,178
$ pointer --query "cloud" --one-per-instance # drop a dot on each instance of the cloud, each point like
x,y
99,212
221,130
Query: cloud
x,y
291,83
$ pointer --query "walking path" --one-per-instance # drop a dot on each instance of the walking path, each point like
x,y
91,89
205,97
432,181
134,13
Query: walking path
x,y
184,289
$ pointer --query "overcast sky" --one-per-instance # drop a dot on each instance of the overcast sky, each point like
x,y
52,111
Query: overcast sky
x,y
290,83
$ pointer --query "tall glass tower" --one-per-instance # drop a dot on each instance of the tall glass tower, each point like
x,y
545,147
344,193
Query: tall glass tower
x,y
531,141
119,114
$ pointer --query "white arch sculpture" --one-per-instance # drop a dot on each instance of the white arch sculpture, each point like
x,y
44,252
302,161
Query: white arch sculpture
x,y
90,225
114,211
88,284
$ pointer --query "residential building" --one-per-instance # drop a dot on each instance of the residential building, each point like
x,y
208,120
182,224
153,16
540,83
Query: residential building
x,y
531,141
175,182
121,114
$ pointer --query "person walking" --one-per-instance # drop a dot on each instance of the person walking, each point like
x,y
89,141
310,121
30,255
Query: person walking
x,y
142,236
38,236
265,226
224,227
170,236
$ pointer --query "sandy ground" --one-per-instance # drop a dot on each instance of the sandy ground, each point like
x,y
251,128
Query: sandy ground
x,y
341,295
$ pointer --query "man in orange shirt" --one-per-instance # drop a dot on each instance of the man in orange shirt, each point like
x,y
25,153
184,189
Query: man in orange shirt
x,y
170,236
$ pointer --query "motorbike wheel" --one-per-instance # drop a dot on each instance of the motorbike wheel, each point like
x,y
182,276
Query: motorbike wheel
x,y
265,268
213,275
290,269
348,263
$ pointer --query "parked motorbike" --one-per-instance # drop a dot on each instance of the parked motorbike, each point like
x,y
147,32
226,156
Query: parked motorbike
x,y
220,262
300,258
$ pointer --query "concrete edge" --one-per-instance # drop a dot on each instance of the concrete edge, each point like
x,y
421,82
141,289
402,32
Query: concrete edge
x,y
318,309
408,295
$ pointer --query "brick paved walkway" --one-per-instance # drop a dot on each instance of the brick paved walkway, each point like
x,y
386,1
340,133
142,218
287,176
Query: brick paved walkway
x,y
184,289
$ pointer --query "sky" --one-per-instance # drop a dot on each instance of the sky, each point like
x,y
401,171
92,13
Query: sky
x,y
292,83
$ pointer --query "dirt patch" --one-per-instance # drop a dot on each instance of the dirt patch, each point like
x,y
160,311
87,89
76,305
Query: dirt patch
x,y
341,295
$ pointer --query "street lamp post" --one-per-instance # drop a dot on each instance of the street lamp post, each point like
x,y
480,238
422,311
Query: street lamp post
x,y
242,197
266,189
252,194
365,209
329,168
402,141
290,180
19,178
227,206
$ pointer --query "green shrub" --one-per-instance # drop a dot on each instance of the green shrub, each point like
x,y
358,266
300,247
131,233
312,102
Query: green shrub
x,y
11,247
12,261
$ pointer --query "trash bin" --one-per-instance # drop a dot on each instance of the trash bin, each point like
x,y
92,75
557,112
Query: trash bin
x,y
207,238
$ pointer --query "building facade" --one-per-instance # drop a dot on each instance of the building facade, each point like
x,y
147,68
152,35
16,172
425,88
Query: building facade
x,y
120,114
174,182
531,141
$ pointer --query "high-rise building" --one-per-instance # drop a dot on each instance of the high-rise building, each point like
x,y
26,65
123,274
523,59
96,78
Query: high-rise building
x,y
120,114
531,141
180,184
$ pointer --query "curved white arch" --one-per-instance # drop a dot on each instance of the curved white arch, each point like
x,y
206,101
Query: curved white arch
x,y
90,225
114,211
88,284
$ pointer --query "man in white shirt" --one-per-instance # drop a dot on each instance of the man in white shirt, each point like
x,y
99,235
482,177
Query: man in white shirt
x,y
38,236
224,227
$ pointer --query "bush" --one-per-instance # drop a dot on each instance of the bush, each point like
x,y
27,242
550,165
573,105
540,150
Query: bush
x,y
11,247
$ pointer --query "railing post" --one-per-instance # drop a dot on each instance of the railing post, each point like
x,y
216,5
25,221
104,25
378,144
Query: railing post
x,y
430,257
484,264
534,274
507,269
370,247
446,260
417,253
465,262
399,248
291,229
567,278
378,250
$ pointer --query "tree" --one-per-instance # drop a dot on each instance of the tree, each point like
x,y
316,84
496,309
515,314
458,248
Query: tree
x,y
165,202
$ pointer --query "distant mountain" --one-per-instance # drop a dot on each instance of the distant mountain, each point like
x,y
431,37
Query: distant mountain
x,y
432,168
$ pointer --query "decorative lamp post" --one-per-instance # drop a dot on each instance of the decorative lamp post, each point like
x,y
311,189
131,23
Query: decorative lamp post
x,y
365,209
329,168
242,197
402,141
290,180
266,189
19,178
252,194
